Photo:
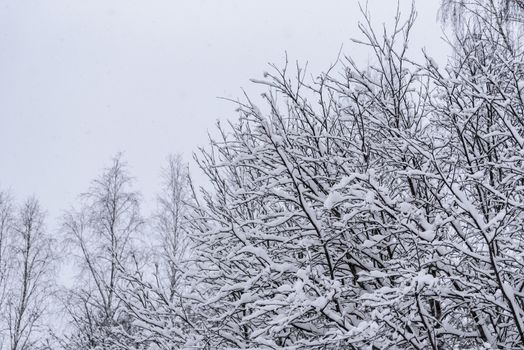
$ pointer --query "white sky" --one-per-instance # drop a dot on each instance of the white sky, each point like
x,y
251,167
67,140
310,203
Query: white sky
x,y
82,80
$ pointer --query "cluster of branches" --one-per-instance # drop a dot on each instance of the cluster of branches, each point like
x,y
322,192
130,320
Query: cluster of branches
x,y
367,208
371,208
506,16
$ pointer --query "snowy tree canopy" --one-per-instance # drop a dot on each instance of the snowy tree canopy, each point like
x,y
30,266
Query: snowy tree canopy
x,y
374,206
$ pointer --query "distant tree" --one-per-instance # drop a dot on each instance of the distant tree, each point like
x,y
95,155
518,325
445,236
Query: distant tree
x,y
468,17
102,233
29,280
457,10
156,296
6,227
169,220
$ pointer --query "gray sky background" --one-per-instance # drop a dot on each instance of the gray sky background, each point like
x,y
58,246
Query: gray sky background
x,y
82,80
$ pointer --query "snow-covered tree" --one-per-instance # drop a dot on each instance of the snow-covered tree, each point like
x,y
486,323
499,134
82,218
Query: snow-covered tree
x,y
371,207
377,208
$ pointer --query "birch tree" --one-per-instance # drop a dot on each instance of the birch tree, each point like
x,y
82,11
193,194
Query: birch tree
x,y
504,16
29,288
6,227
156,294
102,232
169,219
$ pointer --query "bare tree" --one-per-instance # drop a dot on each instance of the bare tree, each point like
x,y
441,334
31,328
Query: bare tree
x,y
29,282
459,11
102,232
468,17
6,227
170,216
156,293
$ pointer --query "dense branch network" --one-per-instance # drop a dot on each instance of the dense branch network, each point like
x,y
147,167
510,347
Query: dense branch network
x,y
374,207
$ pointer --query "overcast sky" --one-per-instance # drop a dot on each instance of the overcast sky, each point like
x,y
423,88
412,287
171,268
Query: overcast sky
x,y
82,80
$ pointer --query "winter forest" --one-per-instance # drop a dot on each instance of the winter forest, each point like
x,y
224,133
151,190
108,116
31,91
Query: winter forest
x,y
363,207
